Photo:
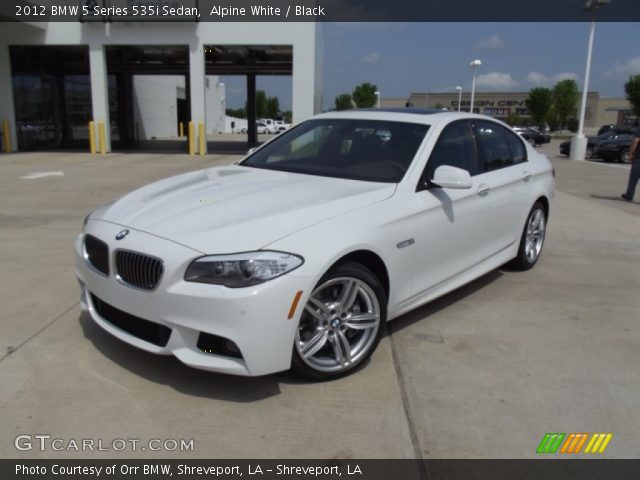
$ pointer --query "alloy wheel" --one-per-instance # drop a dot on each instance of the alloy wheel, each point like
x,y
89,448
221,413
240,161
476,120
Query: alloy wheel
x,y
534,235
624,156
339,325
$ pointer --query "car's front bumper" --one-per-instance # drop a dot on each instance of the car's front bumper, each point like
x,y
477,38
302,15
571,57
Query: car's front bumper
x,y
254,318
609,153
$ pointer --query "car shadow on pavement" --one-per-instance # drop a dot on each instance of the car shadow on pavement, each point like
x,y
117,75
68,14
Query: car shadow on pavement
x,y
431,308
167,370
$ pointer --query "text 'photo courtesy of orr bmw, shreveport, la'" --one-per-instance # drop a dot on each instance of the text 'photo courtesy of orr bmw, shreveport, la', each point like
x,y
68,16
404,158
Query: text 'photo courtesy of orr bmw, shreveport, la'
x,y
297,256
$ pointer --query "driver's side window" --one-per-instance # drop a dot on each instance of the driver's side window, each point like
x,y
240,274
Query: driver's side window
x,y
455,147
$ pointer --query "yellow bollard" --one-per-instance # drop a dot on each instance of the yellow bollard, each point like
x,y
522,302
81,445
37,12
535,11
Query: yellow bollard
x,y
192,139
181,129
92,138
6,136
102,137
203,139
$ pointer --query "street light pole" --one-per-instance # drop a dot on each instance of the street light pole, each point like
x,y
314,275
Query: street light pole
x,y
474,66
459,89
579,142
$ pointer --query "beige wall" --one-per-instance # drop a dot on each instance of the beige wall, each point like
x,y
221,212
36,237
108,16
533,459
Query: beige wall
x,y
615,111
393,102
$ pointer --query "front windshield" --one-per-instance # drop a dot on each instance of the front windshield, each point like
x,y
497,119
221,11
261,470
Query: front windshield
x,y
370,150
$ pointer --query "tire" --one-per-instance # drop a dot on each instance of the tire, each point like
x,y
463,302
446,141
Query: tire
x,y
532,142
590,153
532,239
341,324
624,156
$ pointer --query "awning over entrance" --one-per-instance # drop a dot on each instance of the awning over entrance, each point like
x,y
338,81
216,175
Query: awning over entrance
x,y
245,59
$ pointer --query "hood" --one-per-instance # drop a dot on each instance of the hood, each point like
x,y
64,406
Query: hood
x,y
235,209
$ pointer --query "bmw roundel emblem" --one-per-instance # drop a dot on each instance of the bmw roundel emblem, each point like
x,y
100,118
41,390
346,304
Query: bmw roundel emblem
x,y
121,234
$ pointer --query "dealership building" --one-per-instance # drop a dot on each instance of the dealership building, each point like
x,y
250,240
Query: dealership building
x,y
599,111
137,81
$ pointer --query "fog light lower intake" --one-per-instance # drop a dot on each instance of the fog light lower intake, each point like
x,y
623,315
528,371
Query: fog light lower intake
x,y
213,344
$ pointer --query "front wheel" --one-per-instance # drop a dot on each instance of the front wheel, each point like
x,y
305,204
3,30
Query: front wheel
x,y
341,324
532,142
532,239
624,155
590,153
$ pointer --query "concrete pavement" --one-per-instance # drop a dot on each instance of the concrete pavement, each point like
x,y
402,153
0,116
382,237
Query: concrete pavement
x,y
484,372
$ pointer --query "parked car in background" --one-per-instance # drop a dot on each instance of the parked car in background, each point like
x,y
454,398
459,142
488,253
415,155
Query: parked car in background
x,y
616,148
261,127
617,128
297,256
281,126
593,143
532,135
605,128
270,124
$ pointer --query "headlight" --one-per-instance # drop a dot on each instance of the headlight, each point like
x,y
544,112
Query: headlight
x,y
241,269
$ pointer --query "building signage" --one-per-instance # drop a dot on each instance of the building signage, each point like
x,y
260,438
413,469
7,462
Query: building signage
x,y
490,103
497,112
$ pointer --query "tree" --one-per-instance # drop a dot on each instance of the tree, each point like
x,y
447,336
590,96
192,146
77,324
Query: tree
x,y
513,119
261,104
287,116
272,108
236,112
572,124
343,102
539,104
552,119
364,95
565,98
632,89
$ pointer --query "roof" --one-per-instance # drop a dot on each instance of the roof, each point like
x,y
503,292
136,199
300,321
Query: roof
x,y
410,114
413,110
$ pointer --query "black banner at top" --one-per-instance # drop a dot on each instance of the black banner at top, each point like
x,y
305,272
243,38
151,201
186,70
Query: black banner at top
x,y
321,10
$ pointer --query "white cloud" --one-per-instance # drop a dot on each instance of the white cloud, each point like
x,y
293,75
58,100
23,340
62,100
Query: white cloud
x,y
629,67
537,78
372,57
494,41
496,81
558,77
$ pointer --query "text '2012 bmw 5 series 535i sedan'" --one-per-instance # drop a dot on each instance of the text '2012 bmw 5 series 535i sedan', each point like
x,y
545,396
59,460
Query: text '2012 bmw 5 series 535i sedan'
x,y
298,255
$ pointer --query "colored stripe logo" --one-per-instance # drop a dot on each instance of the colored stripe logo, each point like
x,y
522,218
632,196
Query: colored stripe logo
x,y
573,443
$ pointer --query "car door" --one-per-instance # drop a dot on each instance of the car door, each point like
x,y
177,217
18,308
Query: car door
x,y
503,179
448,220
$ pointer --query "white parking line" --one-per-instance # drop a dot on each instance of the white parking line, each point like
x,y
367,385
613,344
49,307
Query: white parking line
x,y
35,175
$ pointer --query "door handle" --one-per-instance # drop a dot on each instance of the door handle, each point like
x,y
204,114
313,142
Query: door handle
x,y
483,189
526,176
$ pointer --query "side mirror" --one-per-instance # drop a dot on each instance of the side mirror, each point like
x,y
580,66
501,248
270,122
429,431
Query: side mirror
x,y
447,176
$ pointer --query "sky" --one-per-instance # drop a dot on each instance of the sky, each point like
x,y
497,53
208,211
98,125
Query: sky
x,y
401,58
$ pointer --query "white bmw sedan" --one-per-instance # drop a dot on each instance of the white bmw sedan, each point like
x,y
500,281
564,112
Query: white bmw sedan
x,y
297,256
